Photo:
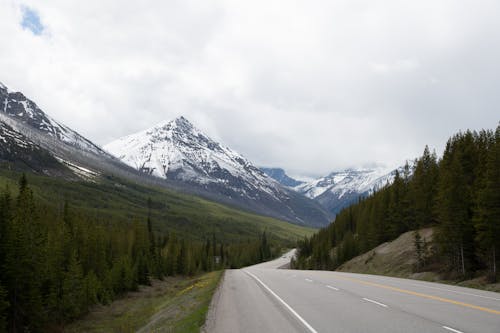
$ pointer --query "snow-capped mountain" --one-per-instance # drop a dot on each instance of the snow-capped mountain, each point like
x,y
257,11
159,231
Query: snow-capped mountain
x,y
341,188
24,123
179,152
16,106
343,183
32,140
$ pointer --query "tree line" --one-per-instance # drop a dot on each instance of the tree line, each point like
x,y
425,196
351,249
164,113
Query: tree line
x,y
458,194
56,262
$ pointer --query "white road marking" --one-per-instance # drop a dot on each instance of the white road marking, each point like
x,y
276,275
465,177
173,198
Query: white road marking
x,y
309,280
332,288
375,302
302,320
451,329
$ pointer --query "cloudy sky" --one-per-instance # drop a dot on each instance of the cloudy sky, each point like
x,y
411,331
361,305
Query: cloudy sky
x,y
311,86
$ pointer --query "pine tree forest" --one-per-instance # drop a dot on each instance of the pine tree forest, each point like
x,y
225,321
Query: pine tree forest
x,y
458,195
55,263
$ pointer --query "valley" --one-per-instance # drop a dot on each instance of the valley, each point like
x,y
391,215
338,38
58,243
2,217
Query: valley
x,y
246,167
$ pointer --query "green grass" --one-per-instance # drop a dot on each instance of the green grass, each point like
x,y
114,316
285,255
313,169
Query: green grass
x,y
114,200
173,305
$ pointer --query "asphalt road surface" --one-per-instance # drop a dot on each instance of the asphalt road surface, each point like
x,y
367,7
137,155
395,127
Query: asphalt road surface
x,y
262,298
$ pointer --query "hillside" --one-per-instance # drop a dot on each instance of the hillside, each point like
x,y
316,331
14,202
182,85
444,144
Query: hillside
x,y
398,258
70,245
186,215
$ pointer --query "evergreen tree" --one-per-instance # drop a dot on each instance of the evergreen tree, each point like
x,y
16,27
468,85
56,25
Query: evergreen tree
x,y
73,289
4,305
487,219
455,205
265,250
24,258
424,187
419,250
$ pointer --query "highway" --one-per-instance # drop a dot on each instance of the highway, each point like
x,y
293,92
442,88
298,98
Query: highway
x,y
263,298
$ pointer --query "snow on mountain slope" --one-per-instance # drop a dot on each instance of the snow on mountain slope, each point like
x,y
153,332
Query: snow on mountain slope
x,y
18,151
10,138
340,189
178,151
347,181
19,108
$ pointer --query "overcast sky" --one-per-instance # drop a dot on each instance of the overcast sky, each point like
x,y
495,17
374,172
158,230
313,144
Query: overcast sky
x,y
311,86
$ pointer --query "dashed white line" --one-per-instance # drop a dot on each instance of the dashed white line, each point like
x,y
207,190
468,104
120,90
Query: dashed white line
x,y
309,280
452,329
302,320
375,302
332,288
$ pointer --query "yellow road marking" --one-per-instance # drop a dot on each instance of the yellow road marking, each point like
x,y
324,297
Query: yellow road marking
x,y
409,292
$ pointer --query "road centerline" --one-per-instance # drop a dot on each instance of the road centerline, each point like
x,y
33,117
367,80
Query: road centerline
x,y
422,295
302,320
333,288
455,291
309,280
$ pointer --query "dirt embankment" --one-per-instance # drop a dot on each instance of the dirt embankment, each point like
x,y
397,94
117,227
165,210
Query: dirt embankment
x,y
398,258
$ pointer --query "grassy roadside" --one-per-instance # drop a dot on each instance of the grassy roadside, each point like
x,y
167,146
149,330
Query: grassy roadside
x,y
173,305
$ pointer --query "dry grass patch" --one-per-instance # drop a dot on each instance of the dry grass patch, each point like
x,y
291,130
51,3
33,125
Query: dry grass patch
x,y
175,304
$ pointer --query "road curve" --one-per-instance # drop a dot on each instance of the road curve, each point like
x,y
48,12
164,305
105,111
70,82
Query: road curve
x,y
262,298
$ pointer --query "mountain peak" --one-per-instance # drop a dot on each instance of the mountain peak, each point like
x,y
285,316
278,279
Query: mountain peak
x,y
182,120
180,124
183,123
179,152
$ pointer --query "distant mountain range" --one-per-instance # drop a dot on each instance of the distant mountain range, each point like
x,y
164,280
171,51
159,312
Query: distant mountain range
x,y
178,151
177,155
173,154
338,189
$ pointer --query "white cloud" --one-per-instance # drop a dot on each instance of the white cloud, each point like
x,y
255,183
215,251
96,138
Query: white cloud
x,y
311,86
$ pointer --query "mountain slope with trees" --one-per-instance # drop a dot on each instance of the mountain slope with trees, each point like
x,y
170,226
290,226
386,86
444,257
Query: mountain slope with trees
x,y
458,195
57,261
